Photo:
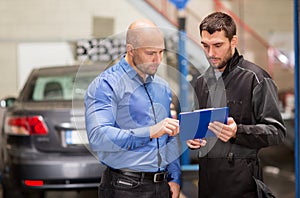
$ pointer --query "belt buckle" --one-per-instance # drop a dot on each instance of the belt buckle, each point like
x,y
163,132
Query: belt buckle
x,y
159,177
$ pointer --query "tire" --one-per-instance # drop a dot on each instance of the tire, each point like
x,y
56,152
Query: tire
x,y
9,190
13,191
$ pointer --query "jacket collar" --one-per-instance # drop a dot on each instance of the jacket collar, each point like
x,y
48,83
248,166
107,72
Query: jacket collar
x,y
232,63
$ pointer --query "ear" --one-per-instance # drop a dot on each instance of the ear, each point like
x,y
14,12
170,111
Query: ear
x,y
234,41
129,49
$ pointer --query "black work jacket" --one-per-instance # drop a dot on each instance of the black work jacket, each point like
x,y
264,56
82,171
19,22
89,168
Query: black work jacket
x,y
226,168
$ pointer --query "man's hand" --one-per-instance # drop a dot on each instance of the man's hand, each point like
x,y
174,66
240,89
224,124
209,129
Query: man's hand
x,y
196,143
175,189
168,126
222,131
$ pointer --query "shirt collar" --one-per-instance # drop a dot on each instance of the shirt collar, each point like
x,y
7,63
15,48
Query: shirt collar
x,y
132,73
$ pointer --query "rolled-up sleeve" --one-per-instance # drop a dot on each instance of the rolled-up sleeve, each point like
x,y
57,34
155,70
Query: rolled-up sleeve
x,y
100,119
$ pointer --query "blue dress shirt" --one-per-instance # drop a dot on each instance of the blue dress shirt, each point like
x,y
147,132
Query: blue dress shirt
x,y
120,108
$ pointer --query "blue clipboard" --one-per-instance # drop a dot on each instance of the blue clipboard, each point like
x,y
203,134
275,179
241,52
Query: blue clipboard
x,y
194,124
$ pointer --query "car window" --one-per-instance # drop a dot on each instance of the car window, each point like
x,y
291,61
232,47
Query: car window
x,y
65,87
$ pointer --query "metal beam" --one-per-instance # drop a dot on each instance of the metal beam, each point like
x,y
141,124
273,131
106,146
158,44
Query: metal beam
x,y
296,131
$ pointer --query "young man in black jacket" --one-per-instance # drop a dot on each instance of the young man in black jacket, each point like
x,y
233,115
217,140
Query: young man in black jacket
x,y
229,165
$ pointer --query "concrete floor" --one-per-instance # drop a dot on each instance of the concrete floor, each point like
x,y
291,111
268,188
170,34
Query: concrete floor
x,y
278,163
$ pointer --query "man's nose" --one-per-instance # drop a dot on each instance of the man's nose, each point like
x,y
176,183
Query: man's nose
x,y
210,51
157,57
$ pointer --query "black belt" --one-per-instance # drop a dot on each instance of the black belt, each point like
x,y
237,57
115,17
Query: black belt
x,y
153,176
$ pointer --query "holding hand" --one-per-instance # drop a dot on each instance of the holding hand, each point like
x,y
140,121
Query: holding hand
x,y
222,131
196,143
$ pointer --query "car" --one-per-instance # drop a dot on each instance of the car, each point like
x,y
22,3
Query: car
x,y
44,145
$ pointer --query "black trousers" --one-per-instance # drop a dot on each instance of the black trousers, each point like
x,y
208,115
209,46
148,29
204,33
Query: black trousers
x,y
116,185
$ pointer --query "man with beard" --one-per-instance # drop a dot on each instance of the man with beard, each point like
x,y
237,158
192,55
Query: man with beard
x,y
228,163
129,123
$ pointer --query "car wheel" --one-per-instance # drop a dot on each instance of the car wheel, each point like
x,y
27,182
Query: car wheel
x,y
34,194
9,190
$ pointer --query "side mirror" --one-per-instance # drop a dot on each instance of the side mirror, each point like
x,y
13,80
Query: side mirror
x,y
7,102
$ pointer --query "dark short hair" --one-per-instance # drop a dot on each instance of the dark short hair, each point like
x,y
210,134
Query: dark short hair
x,y
219,21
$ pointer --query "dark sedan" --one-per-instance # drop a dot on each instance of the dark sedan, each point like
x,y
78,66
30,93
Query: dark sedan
x,y
43,140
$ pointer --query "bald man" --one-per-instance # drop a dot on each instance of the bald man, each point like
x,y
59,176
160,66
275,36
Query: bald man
x,y
129,123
